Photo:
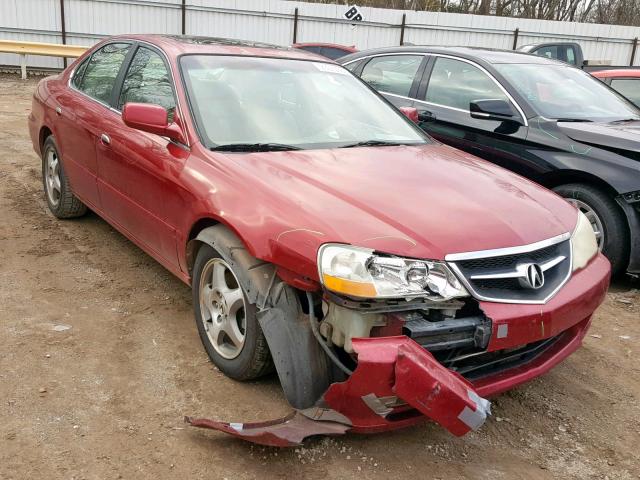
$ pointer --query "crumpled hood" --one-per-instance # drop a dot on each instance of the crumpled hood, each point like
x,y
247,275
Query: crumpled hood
x,y
418,201
621,136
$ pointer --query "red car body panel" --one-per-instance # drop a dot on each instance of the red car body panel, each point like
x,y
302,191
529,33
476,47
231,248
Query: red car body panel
x,y
415,201
624,72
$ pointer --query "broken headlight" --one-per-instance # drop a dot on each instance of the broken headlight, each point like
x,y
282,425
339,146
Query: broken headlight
x,y
359,272
584,245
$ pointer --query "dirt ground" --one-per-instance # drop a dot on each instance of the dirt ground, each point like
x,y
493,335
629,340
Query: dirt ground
x,y
100,360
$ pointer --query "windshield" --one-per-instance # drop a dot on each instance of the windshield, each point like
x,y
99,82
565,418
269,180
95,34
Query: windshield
x,y
280,103
563,92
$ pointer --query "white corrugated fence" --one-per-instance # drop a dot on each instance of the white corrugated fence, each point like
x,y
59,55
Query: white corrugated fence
x,y
272,21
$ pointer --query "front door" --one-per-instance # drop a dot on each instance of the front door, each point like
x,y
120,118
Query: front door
x,y
136,168
443,100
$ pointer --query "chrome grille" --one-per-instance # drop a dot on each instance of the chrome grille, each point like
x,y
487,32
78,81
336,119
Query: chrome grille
x,y
513,275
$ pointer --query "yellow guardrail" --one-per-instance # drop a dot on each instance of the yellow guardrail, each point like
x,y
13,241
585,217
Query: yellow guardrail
x,y
38,48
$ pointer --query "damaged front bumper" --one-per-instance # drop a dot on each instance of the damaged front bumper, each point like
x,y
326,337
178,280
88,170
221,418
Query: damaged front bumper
x,y
389,369
398,382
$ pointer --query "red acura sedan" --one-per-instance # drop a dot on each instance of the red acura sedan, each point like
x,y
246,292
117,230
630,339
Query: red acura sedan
x,y
385,277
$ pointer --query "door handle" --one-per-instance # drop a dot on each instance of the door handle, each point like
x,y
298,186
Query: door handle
x,y
426,116
58,111
104,138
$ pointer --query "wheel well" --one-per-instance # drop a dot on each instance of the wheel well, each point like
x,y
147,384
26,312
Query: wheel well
x,y
44,133
193,246
563,177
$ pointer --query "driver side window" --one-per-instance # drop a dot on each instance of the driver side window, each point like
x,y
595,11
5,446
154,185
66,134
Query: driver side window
x,y
148,81
456,84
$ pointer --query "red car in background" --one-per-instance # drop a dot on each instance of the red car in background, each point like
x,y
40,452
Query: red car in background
x,y
625,81
328,50
386,277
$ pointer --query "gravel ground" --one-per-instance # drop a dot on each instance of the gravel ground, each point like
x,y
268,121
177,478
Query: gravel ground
x,y
100,360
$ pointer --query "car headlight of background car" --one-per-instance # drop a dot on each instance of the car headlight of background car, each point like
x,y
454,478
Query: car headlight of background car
x,y
359,272
584,245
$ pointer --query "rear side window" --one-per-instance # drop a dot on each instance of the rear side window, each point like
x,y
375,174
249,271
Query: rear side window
x,y
148,81
332,52
456,84
393,73
548,52
310,48
101,71
629,87
79,73
566,53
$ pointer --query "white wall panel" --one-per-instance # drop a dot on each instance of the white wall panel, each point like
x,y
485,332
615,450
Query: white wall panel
x,y
272,21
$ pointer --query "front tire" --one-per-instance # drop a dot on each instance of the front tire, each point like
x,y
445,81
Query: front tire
x,y
607,221
225,317
60,199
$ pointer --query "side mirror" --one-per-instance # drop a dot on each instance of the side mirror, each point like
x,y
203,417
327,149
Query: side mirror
x,y
151,118
499,110
410,112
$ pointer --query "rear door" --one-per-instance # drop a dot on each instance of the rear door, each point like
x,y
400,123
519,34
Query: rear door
x,y
396,76
448,87
80,111
136,169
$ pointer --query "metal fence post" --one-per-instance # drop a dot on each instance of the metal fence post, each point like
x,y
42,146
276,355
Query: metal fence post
x,y
295,25
23,66
515,38
183,9
402,25
63,30
633,51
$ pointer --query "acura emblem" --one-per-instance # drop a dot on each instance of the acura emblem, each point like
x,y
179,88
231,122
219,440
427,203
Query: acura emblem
x,y
534,276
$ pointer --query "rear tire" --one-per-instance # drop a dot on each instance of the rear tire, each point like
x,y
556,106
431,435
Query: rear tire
x,y
614,241
60,199
215,314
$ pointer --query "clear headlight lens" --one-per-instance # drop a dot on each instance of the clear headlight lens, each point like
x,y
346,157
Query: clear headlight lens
x,y
584,245
359,272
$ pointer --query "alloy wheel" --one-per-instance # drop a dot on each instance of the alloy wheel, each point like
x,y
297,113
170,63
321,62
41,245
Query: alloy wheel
x,y
223,308
593,218
52,176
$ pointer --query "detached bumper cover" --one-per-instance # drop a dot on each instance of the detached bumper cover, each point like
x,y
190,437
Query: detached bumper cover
x,y
388,367
398,383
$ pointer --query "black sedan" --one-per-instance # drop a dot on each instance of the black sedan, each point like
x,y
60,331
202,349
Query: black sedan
x,y
543,119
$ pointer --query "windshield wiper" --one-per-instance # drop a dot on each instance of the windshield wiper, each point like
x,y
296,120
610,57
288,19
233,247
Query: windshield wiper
x,y
374,143
573,120
254,147
626,120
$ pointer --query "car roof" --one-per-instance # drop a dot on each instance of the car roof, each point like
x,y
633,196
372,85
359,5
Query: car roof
x,y
487,55
623,72
189,44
